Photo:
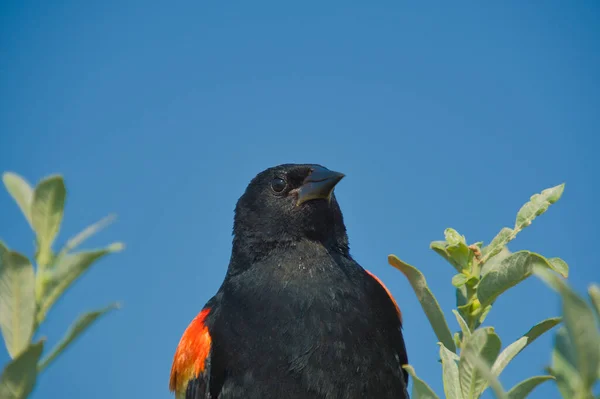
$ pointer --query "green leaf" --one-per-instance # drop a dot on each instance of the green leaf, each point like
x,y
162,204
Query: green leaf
x,y
559,266
524,388
492,262
459,279
17,300
428,302
440,248
594,293
485,345
581,327
420,388
82,323
453,238
67,269
450,373
454,249
516,347
21,192
498,243
46,214
563,365
466,333
19,376
537,205
508,273
86,233
484,370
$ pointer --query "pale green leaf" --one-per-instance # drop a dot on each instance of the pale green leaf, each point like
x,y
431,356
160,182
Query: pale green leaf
x,y
516,347
459,279
581,327
80,325
484,344
67,269
19,376
508,273
498,243
21,192
484,370
563,367
428,302
453,238
483,315
559,266
440,248
47,213
492,262
450,373
524,388
466,333
537,205
17,300
86,233
594,293
420,388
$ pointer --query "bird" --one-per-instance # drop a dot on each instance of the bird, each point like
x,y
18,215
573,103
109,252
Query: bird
x,y
295,316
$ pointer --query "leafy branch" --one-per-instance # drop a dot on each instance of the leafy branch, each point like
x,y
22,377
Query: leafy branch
x,y
473,358
27,294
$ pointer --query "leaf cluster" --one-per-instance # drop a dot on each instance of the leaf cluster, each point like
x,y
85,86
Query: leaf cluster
x,y
473,357
27,293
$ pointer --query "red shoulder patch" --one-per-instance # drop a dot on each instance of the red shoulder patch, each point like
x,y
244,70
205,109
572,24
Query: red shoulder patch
x,y
191,353
388,292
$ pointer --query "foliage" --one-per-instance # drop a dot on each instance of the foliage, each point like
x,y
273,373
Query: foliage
x,y
27,293
473,358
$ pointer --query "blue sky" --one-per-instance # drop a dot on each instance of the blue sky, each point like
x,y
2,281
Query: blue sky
x,y
440,116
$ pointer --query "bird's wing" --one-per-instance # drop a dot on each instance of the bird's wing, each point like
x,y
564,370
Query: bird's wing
x,y
388,292
190,373
401,344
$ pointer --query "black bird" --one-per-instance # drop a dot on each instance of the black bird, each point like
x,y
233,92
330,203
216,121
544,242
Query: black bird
x,y
296,316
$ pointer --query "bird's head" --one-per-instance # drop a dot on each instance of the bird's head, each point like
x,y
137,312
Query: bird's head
x,y
288,203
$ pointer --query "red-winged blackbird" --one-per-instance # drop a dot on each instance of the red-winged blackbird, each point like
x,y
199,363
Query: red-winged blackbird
x,y
296,316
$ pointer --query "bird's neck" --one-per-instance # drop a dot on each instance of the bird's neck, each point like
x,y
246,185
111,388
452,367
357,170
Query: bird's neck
x,y
247,249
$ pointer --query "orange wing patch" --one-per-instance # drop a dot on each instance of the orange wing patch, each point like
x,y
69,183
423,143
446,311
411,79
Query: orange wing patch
x,y
388,292
191,354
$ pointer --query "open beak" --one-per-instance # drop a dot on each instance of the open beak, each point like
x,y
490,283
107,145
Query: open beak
x,y
318,185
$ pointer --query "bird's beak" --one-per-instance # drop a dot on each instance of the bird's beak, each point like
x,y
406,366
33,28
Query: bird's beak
x,y
318,185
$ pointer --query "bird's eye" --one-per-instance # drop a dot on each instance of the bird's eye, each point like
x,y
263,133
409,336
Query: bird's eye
x,y
278,184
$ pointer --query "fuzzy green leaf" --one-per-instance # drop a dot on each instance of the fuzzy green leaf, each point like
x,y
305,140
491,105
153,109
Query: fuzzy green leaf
x,y
485,344
17,300
459,279
46,215
466,333
524,388
420,388
594,293
440,248
86,233
67,269
508,273
581,327
450,374
21,192
19,376
428,302
563,367
80,325
498,243
537,205
484,370
516,347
